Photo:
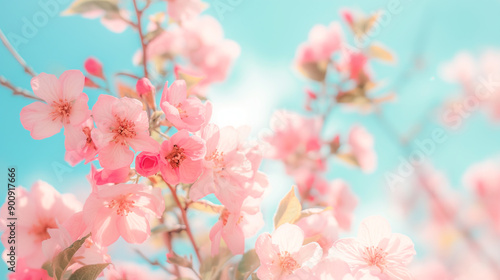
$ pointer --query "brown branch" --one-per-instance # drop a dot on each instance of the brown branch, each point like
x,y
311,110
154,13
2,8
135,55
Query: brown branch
x,y
155,263
14,53
18,91
185,220
141,35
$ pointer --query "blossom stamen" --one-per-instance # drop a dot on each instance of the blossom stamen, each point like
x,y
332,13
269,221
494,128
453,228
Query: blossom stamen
x,y
176,156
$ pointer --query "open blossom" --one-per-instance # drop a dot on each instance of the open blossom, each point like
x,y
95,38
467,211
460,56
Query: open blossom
x,y
120,123
181,158
107,176
182,111
71,230
361,143
182,10
376,249
322,43
66,104
296,141
147,164
41,209
282,255
225,169
321,228
122,210
238,221
79,143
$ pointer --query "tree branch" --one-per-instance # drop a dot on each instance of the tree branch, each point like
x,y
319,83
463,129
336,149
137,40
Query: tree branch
x,y
14,53
16,90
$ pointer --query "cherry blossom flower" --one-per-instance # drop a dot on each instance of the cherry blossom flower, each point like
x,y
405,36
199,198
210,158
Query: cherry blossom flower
x,y
361,143
66,234
238,221
147,164
181,158
376,249
41,209
66,104
182,111
79,143
144,87
183,10
322,43
321,228
122,210
225,169
296,141
120,123
282,255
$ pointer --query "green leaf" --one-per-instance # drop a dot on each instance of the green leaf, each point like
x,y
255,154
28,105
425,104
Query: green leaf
x,y
173,258
312,211
109,7
314,70
48,267
88,272
61,262
288,209
211,266
249,262
206,206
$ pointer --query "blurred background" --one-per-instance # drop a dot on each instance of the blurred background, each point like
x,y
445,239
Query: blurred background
x,y
423,37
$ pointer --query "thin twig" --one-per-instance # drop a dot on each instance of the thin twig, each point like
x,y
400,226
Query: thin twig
x,y
155,263
14,53
186,222
18,91
141,35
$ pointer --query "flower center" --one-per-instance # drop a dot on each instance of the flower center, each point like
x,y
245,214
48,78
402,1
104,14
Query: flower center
x,y
123,204
61,110
123,130
374,256
40,229
287,263
176,156
218,160
182,113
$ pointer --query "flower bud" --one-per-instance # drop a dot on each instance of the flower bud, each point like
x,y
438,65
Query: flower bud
x,y
93,67
144,87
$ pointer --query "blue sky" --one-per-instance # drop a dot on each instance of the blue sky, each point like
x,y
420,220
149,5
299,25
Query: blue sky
x,y
263,80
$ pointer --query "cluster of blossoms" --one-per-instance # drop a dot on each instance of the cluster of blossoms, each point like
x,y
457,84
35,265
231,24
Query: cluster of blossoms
x,y
153,154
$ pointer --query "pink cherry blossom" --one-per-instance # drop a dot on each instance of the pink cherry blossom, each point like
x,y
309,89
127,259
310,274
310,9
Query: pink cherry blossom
x,y
25,272
326,269
147,164
66,234
484,179
361,143
66,104
282,255
122,210
226,170
183,10
296,141
79,143
181,158
322,43
321,228
182,111
120,123
237,222
41,209
376,249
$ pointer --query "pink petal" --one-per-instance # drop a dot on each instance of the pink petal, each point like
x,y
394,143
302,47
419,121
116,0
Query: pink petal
x,y
215,237
310,254
190,170
80,111
72,83
36,118
177,93
373,229
133,228
115,156
288,237
46,86
144,143
103,116
234,237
